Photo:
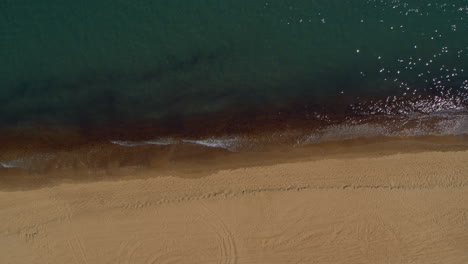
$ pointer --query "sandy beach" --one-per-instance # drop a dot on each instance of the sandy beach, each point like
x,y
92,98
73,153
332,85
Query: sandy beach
x,y
398,207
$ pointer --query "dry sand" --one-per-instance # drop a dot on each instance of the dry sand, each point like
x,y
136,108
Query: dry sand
x,y
398,208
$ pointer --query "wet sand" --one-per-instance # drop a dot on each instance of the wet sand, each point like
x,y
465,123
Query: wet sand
x,y
365,202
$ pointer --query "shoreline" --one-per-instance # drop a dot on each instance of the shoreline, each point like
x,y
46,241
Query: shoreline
x,y
109,162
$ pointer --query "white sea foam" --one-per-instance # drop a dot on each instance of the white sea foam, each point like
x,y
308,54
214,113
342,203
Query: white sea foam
x,y
457,126
435,124
7,165
27,162
345,132
230,144
20,163
225,143
161,142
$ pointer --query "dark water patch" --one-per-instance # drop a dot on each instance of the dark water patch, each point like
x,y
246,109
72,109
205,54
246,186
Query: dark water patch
x,y
96,97
99,103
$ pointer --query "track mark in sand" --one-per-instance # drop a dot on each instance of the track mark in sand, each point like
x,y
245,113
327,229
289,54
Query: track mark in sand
x,y
128,251
228,248
123,251
238,193
334,236
135,249
78,250
168,258
74,243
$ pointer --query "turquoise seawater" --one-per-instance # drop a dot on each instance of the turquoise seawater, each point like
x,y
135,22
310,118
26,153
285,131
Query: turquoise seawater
x,y
103,62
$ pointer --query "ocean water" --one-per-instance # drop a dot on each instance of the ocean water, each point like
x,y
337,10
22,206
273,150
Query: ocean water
x,y
209,72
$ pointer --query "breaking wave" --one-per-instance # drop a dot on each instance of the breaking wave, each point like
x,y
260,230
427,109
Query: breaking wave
x,y
224,143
